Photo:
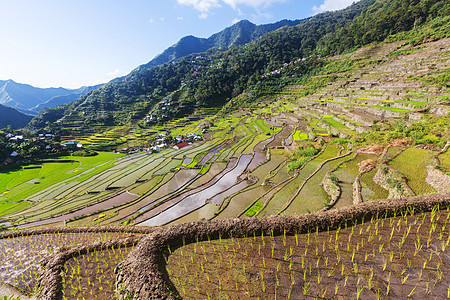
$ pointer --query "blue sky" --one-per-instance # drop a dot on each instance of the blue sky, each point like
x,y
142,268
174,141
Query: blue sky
x,y
71,43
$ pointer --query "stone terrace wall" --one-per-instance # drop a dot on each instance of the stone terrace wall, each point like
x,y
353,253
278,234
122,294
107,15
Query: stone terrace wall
x,y
50,280
96,229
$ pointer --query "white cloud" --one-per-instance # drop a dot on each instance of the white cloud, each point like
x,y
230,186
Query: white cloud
x,y
201,5
207,5
162,19
151,20
330,5
179,18
203,15
235,20
254,3
114,73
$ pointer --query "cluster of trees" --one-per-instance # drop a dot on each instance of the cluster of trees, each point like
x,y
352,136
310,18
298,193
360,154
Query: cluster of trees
x,y
228,73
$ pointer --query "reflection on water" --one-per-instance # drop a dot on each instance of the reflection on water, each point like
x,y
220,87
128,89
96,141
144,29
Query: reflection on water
x,y
196,200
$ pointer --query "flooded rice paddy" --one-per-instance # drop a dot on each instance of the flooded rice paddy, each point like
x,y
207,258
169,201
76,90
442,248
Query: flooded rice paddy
x,y
20,257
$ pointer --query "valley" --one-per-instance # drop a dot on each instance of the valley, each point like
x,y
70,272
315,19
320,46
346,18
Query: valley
x,y
323,177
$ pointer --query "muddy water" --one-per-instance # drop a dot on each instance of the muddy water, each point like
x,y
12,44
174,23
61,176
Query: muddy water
x,y
346,198
187,161
197,200
346,174
203,213
241,202
198,185
260,153
313,196
96,277
115,201
346,177
210,156
258,159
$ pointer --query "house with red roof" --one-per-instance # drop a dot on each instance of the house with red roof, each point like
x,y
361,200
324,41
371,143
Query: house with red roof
x,y
180,145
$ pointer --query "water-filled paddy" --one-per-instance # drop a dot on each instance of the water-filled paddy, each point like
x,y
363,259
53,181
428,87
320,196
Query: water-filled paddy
x,y
196,200
20,257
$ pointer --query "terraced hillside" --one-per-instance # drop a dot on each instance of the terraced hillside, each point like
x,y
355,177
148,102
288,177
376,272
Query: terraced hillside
x,y
335,156
265,159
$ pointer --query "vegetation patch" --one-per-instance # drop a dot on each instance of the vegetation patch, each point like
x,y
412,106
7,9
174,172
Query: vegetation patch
x,y
254,209
301,155
300,136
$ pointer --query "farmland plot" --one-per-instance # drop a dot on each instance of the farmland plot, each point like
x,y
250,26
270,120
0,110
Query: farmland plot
x,y
197,200
398,257
20,256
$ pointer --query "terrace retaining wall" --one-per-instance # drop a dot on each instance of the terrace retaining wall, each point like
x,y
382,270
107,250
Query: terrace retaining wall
x,y
50,279
143,274
96,229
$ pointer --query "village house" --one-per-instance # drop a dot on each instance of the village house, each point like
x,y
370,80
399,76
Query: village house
x,y
180,145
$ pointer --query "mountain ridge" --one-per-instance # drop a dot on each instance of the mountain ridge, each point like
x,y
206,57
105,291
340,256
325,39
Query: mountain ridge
x,y
238,34
29,98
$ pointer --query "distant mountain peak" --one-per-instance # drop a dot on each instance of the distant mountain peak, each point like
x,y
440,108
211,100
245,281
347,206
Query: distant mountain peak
x,y
237,34
26,97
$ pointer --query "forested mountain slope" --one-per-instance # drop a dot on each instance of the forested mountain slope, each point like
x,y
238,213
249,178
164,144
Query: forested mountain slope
x,y
239,34
218,76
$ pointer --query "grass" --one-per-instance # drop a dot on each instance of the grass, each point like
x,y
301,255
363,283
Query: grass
x,y
376,191
333,123
205,168
316,129
49,174
91,276
262,125
396,109
300,136
254,209
444,160
288,108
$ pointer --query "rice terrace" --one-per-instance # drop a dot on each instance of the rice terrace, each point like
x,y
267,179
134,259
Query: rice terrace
x,y
292,166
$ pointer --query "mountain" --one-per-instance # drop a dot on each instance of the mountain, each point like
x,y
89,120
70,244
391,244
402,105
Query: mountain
x,y
26,97
10,116
239,34
63,99
216,76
